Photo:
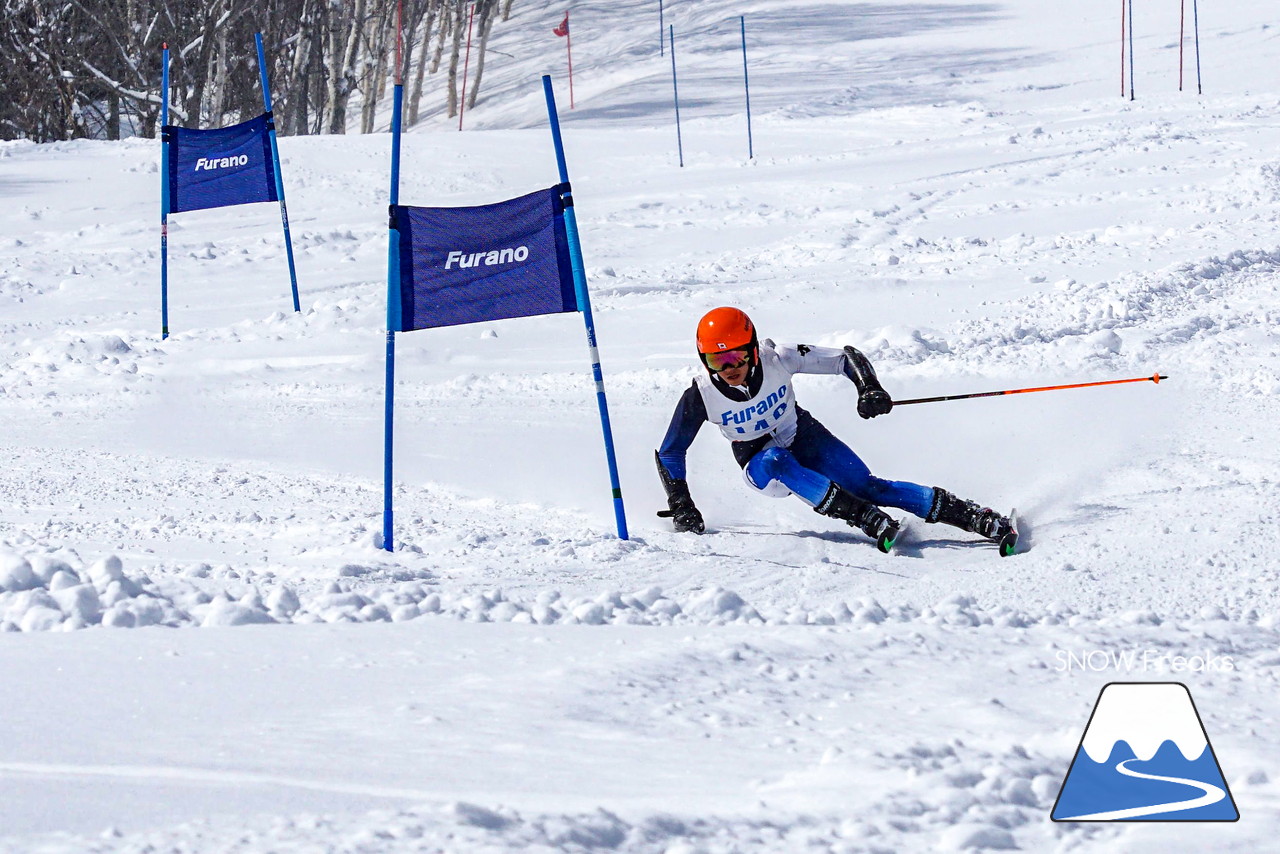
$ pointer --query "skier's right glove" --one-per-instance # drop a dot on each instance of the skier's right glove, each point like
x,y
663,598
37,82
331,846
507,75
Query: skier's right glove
x,y
685,516
680,507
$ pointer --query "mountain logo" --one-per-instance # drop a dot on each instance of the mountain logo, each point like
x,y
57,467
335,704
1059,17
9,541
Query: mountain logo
x,y
1144,756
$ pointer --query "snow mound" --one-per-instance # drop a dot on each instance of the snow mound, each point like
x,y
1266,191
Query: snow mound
x,y
465,826
46,593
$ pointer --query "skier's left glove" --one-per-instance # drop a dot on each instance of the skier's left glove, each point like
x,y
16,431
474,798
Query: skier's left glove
x,y
873,402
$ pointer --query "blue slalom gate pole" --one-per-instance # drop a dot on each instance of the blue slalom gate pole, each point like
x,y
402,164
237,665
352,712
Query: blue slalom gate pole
x,y
275,163
164,196
584,303
746,83
1131,50
393,317
676,92
1195,18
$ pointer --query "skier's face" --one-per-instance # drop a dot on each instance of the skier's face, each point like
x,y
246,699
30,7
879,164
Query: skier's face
x,y
736,376
732,365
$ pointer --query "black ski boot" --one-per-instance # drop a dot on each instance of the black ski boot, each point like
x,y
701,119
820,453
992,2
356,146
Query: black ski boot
x,y
970,516
870,519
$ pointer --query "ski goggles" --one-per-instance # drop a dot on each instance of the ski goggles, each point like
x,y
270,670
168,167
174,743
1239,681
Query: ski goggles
x,y
727,360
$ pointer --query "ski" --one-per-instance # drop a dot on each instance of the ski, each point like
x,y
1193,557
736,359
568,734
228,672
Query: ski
x,y
1008,541
889,536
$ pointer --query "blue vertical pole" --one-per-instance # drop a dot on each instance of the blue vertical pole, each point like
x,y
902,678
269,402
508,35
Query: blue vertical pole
x,y
676,91
393,317
164,196
1130,50
584,303
275,162
1195,17
746,82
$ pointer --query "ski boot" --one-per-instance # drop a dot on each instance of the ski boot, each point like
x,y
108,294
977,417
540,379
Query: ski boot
x,y
868,518
970,516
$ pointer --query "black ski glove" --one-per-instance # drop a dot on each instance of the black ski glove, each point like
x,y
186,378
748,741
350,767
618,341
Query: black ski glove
x,y
685,516
874,402
680,507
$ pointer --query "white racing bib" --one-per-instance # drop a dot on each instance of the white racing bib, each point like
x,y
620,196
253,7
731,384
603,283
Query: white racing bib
x,y
771,412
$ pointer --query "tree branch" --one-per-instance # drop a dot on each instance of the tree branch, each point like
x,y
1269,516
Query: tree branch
x,y
139,97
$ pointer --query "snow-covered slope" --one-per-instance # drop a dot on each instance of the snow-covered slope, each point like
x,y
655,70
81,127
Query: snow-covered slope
x,y
957,189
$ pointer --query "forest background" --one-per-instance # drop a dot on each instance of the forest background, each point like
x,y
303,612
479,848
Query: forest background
x,y
92,69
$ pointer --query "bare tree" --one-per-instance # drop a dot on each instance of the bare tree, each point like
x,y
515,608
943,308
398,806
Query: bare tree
x,y
488,10
451,85
418,37
346,20
448,22
295,79
378,43
34,62
76,68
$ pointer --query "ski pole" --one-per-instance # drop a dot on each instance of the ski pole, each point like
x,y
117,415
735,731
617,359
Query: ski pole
x,y
1154,378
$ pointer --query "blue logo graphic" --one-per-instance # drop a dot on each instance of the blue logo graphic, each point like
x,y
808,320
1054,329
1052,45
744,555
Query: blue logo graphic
x,y
1145,756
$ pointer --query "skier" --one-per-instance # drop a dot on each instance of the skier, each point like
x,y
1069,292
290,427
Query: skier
x,y
782,449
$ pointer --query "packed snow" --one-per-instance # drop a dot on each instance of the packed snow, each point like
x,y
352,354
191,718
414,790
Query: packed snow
x,y
957,189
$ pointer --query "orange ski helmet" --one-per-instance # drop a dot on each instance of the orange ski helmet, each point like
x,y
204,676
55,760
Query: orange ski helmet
x,y
726,328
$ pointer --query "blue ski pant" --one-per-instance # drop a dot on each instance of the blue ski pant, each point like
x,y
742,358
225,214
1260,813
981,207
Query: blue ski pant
x,y
816,459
